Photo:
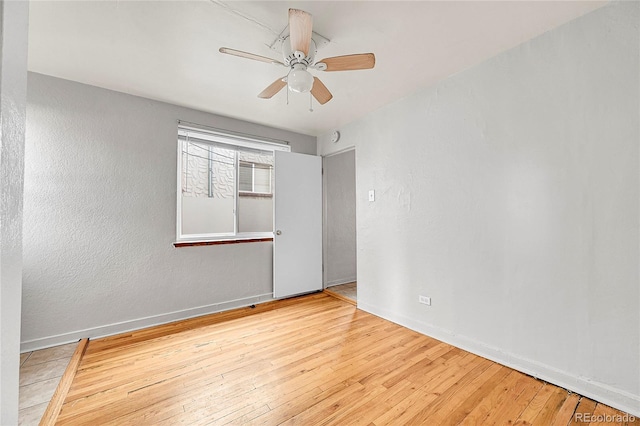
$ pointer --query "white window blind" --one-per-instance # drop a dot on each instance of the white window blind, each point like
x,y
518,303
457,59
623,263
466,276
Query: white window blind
x,y
255,178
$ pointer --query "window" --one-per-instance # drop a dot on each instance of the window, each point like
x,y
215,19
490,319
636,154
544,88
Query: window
x,y
225,186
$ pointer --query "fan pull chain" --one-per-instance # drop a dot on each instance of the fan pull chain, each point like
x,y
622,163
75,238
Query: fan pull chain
x,y
310,102
287,86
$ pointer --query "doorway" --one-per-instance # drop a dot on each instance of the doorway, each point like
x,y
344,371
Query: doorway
x,y
339,180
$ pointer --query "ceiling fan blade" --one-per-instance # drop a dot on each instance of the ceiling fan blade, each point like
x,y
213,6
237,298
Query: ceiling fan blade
x,y
320,92
300,27
248,55
361,61
273,88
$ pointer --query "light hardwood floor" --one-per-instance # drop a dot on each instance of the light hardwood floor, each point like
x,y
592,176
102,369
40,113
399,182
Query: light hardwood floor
x,y
312,360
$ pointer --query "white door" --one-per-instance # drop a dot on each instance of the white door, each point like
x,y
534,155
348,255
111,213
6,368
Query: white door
x,y
297,249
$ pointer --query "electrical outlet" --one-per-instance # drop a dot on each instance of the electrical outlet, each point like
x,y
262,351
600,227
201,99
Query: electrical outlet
x,y
424,300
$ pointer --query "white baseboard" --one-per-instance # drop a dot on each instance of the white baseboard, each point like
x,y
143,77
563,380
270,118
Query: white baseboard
x,y
340,281
600,392
137,324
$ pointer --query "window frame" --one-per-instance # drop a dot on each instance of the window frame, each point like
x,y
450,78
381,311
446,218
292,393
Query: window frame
x,y
233,140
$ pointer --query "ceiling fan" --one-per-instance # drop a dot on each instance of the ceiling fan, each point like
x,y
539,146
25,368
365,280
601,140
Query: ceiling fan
x,y
299,51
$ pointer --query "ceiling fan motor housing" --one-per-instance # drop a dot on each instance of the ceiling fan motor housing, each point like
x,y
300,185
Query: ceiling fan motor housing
x,y
291,58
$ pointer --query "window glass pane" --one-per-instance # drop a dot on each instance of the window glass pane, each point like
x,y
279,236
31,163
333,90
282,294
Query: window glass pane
x,y
255,213
255,207
208,189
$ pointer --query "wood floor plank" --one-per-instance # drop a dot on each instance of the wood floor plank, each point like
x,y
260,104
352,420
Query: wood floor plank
x,y
325,411
440,389
493,399
551,408
606,416
585,407
462,410
516,401
374,408
311,360
565,414
536,405
298,405
444,413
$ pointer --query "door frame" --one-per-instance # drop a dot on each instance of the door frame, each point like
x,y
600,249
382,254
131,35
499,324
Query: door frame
x,y
324,209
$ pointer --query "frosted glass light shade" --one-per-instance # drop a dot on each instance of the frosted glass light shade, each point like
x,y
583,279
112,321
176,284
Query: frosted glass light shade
x,y
300,80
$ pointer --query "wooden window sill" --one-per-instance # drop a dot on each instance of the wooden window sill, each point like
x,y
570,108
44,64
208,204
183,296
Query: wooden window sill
x,y
219,242
254,194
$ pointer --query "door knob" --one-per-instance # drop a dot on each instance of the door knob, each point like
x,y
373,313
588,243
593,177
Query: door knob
x,y
278,232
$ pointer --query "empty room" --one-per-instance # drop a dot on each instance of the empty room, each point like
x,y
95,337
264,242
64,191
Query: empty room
x,y
319,213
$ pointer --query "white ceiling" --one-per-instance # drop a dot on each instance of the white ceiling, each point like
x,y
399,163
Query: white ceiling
x,y
168,50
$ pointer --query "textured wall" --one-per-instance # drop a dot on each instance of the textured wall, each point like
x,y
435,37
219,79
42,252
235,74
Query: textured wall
x,y
99,218
509,194
340,218
14,23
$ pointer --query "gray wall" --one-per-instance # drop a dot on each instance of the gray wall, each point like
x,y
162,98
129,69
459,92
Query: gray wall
x,y
509,194
100,212
14,23
340,218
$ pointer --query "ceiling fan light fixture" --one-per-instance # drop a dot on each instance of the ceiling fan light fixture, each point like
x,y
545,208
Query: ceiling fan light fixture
x,y
299,51
300,80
